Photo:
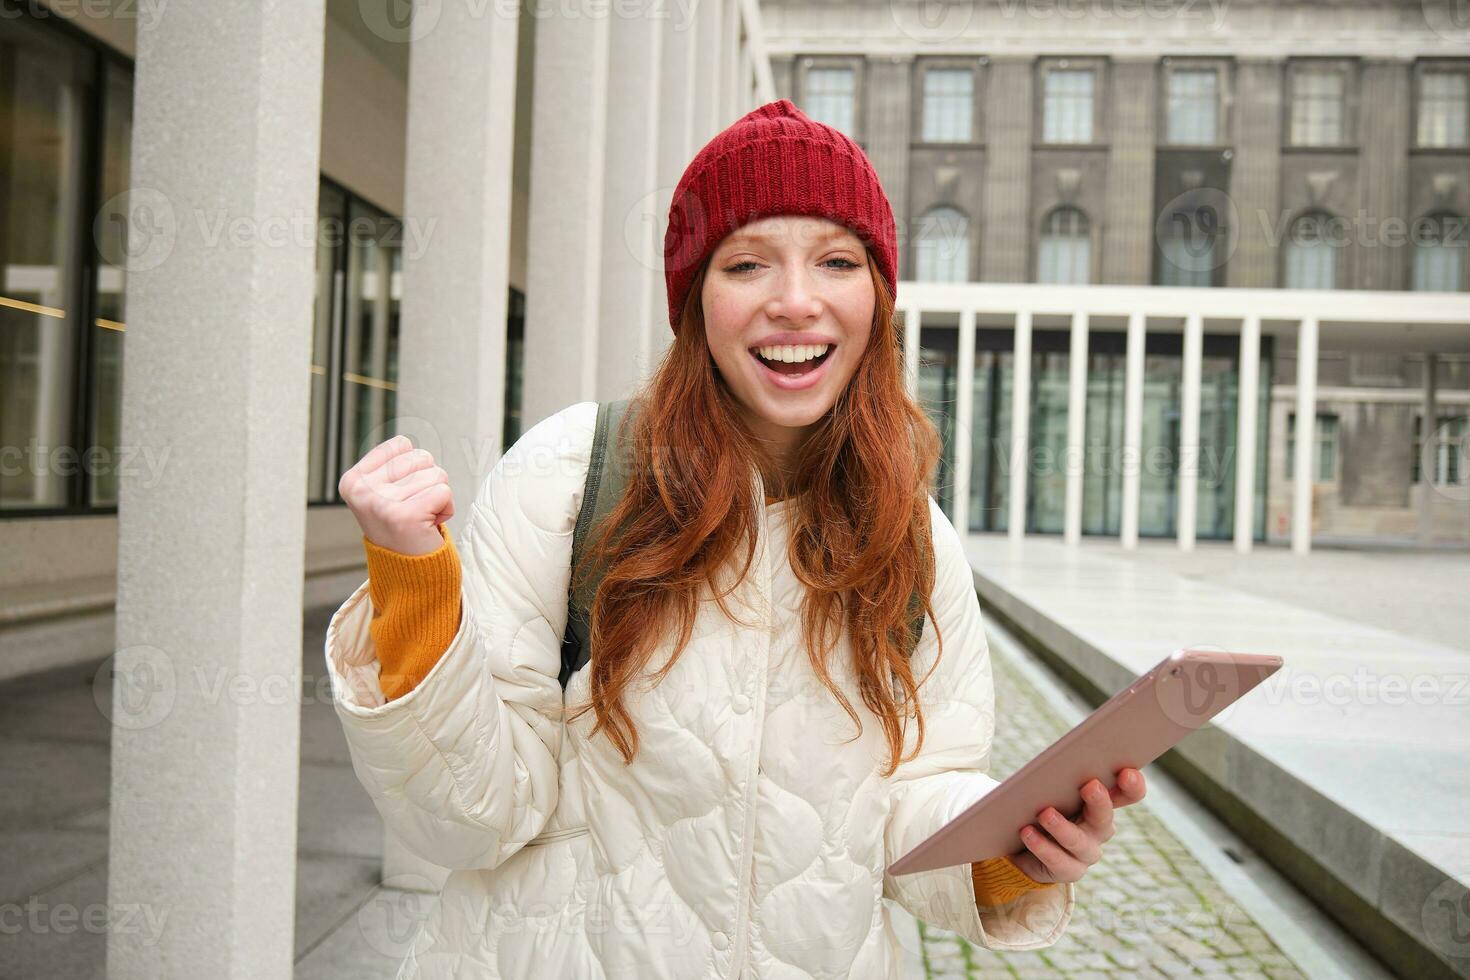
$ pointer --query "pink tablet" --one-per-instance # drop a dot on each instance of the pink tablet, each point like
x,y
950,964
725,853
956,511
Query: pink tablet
x,y
1130,730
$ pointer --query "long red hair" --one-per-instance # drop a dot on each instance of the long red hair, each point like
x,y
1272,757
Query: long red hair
x,y
859,525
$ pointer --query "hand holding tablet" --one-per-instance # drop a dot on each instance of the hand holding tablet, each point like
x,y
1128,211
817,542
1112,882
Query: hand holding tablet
x,y
1130,730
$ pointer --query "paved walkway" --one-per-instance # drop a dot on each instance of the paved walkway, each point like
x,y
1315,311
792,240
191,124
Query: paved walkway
x,y
1148,910
1351,758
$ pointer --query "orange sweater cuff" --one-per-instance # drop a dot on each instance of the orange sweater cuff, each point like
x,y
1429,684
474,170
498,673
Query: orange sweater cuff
x,y
999,880
416,611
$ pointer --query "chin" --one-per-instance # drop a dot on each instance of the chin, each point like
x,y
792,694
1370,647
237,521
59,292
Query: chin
x,y
795,411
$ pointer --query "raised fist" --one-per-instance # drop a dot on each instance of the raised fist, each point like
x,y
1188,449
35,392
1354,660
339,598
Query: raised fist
x,y
399,497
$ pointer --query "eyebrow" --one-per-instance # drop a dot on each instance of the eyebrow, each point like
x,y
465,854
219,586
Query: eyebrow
x,y
746,238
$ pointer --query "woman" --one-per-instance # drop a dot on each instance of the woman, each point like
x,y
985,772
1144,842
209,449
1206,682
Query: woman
x,y
720,791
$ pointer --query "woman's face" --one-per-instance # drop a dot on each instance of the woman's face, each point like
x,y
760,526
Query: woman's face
x,y
788,306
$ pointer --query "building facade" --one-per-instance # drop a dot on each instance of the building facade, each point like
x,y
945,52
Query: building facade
x,y
1257,145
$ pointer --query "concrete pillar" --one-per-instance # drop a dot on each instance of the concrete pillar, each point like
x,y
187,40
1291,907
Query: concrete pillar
x,y
709,18
675,149
207,674
1076,428
1132,429
1020,424
632,298
1302,469
729,64
565,239
1189,432
1428,454
457,190
964,422
1246,422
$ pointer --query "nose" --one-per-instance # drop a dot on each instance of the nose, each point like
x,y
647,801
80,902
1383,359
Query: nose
x,y
795,300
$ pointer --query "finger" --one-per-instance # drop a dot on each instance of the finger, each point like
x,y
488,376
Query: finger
x,y
1082,845
1130,787
432,499
397,467
414,482
1059,864
1097,811
384,451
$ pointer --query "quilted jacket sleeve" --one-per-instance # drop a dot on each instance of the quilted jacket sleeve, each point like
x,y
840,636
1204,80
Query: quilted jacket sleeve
x,y
951,772
464,767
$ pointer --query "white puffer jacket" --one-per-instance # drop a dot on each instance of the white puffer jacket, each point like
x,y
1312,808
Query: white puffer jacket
x,y
750,835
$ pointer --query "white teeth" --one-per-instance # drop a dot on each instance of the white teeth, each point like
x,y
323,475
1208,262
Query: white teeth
x,y
791,353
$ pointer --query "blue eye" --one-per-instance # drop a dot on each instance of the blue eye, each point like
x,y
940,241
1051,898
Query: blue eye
x,y
846,263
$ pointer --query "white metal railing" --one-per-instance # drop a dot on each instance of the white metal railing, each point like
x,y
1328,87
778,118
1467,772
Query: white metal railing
x,y
1423,322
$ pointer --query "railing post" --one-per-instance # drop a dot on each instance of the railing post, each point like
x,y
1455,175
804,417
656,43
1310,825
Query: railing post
x,y
1020,424
1189,432
1245,433
1132,428
1306,436
1076,428
964,422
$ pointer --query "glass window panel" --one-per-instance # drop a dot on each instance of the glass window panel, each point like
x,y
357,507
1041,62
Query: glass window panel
x,y
1311,258
1064,254
1439,253
1193,102
1443,96
330,279
1317,107
110,320
45,91
370,368
831,96
948,104
938,363
942,251
1067,106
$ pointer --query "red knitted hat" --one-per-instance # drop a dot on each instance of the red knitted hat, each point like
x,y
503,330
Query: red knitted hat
x,y
774,160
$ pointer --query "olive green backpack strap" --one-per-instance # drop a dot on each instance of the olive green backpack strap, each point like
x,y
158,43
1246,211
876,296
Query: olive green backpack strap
x,y
607,477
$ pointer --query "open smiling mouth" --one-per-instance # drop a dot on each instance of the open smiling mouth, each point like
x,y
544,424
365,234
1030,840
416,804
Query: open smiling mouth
x,y
792,360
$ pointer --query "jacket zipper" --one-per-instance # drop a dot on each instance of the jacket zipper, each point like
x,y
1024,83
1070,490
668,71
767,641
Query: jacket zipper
x,y
547,836
747,855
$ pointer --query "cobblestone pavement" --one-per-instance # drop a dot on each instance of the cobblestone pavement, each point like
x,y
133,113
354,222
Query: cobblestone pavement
x,y
1147,909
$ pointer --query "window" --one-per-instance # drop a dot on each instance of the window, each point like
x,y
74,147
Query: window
x,y
1193,106
1439,253
1326,462
1311,258
1443,96
949,105
1067,108
1317,106
1189,244
1065,254
1449,446
67,111
942,251
831,96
